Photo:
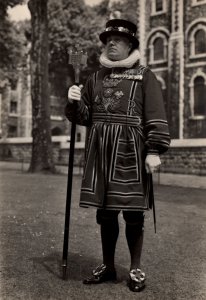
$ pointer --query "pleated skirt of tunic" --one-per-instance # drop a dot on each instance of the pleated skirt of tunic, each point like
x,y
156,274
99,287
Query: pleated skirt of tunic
x,y
114,173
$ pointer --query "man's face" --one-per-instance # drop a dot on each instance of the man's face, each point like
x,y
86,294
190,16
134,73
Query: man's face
x,y
117,47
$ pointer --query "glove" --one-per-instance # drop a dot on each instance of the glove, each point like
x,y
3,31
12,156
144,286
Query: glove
x,y
74,93
152,162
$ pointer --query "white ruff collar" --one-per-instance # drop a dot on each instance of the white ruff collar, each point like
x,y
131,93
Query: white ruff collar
x,y
125,63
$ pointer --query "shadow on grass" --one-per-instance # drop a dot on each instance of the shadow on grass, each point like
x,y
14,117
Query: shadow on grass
x,y
78,267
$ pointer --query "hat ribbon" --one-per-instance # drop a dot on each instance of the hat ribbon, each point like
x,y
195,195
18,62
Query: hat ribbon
x,y
120,29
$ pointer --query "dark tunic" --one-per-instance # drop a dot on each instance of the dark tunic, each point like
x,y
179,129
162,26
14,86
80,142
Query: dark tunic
x,y
124,111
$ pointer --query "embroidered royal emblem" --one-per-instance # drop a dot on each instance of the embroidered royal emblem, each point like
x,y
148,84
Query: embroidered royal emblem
x,y
118,94
108,92
109,100
110,103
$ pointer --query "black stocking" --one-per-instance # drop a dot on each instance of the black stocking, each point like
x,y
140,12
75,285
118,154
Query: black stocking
x,y
134,235
109,236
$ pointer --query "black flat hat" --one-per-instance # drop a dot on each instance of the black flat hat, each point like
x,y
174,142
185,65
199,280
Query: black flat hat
x,y
120,27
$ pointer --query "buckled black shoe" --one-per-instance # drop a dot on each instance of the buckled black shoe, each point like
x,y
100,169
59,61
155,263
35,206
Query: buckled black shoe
x,y
101,274
136,282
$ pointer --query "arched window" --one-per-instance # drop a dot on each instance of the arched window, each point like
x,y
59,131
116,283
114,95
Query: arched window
x,y
12,131
199,96
157,45
56,131
163,87
158,49
200,41
159,5
13,107
196,34
78,136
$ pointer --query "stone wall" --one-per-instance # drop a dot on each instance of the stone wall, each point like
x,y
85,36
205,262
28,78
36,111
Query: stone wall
x,y
184,156
19,149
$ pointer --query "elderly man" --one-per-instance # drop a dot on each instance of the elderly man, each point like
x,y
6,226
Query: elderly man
x,y
123,108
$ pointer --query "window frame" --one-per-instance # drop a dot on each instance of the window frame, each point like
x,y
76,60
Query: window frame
x,y
154,11
197,3
151,48
11,112
162,82
199,73
192,53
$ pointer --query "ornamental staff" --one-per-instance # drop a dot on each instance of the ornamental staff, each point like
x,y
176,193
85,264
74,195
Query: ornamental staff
x,y
78,60
122,106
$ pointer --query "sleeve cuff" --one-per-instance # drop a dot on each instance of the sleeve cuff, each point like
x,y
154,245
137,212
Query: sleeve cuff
x,y
153,151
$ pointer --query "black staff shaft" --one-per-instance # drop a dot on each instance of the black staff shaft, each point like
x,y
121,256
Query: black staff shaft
x,y
77,59
69,194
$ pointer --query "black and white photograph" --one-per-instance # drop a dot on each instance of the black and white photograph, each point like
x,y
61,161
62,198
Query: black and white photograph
x,y
103,149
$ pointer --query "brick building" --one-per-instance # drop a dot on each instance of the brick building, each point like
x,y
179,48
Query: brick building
x,y
173,43
172,36
16,109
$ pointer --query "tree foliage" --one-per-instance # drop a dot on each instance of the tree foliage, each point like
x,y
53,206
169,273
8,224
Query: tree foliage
x,y
127,8
12,44
72,22
13,47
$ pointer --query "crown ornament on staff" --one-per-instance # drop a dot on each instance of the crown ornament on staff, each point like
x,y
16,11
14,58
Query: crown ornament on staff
x,y
78,59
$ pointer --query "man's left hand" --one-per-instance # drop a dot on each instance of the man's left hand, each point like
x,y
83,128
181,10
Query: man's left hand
x,y
152,162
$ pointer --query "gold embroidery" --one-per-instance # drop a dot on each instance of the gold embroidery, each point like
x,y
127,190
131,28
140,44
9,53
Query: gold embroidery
x,y
131,74
110,82
109,100
108,92
119,94
126,76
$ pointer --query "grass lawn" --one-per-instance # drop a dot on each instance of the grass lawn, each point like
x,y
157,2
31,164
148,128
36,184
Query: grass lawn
x,y
32,225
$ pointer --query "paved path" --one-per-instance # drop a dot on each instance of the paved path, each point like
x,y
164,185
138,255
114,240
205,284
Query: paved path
x,y
31,229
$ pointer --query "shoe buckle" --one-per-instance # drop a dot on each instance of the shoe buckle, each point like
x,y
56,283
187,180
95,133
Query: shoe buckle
x,y
137,275
99,270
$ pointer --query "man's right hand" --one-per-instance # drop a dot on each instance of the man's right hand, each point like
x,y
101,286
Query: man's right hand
x,y
74,93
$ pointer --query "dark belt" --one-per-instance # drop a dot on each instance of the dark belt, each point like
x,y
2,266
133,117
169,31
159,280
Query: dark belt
x,y
116,119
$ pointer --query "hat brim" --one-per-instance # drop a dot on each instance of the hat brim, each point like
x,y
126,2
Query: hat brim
x,y
104,35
